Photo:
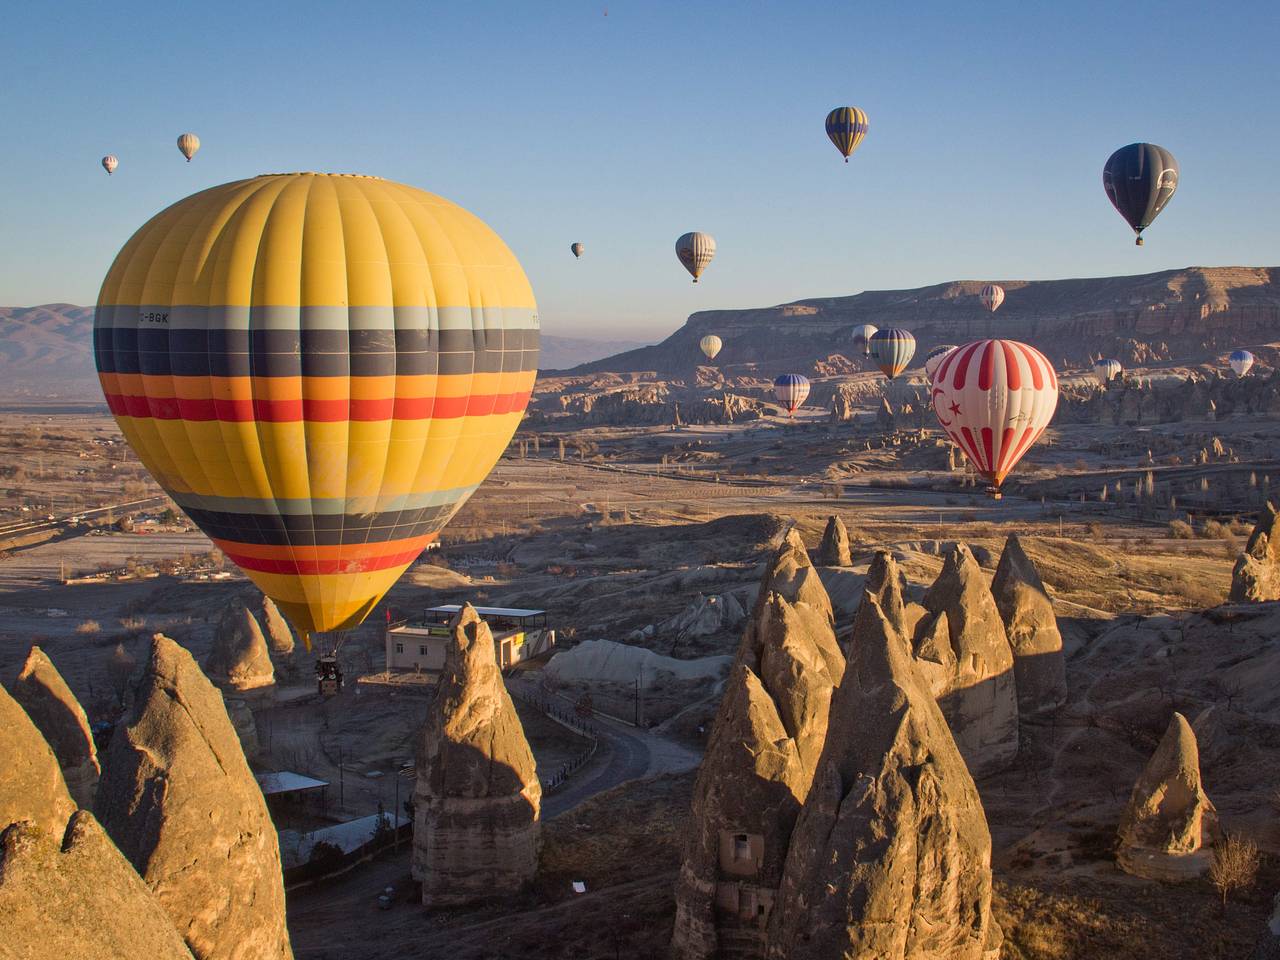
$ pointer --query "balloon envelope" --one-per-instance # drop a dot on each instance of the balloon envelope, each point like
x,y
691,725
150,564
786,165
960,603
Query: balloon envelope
x,y
1241,361
994,398
1140,179
325,383
992,296
1104,371
862,338
846,128
791,389
188,143
109,164
892,350
577,249
710,345
934,357
695,251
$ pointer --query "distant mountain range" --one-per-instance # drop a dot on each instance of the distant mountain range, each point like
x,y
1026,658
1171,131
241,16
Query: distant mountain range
x,y
1191,315
46,352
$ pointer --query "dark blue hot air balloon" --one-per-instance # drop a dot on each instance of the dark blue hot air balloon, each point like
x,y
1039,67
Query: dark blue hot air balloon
x,y
1140,179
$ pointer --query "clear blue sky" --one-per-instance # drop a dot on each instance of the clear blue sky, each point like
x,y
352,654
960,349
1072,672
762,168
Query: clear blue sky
x,y
990,123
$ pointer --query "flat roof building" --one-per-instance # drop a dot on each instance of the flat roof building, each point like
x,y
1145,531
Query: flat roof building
x,y
418,644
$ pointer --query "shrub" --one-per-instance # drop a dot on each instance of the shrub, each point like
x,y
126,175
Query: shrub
x,y
1234,867
89,626
1180,530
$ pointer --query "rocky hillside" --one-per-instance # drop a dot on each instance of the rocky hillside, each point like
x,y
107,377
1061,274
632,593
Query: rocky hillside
x,y
1188,315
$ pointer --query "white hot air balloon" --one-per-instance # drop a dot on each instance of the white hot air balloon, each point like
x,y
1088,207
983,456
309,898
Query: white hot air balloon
x,y
994,398
710,345
992,296
188,143
862,335
1106,370
1241,361
109,163
576,249
934,357
695,251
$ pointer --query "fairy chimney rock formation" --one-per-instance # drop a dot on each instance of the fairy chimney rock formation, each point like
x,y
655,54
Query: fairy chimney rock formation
x,y
980,700
180,802
279,636
239,661
69,895
834,549
32,787
1039,667
759,763
1256,575
477,800
1170,823
56,712
884,582
890,856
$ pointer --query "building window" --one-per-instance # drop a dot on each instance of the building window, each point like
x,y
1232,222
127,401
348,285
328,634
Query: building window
x,y
422,649
399,648
741,847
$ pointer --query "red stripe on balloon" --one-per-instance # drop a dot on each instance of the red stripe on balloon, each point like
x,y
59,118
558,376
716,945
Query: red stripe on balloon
x,y
1038,364
986,448
962,364
339,565
1012,371
987,366
316,411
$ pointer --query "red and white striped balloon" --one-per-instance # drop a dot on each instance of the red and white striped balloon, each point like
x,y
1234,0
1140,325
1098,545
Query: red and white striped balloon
x,y
995,398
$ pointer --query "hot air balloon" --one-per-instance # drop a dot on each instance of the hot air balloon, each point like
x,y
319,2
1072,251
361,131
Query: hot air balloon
x,y
1140,179
791,390
934,357
992,296
994,398
710,345
577,249
188,143
695,251
1241,361
109,164
1104,371
892,350
326,383
846,126
862,338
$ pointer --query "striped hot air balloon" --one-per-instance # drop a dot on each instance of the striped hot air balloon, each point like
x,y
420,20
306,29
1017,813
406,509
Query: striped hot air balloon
x,y
1241,361
994,398
791,389
992,296
109,164
188,143
934,357
892,349
695,251
1104,371
846,127
320,370
710,345
862,335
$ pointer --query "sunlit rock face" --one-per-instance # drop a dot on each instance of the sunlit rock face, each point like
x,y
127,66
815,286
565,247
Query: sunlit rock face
x,y
477,799
834,549
56,712
1170,823
240,662
32,787
977,693
1256,575
890,856
179,800
1039,667
759,763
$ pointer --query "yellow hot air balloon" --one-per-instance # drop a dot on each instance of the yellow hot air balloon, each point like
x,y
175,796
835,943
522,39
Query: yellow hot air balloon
x,y
188,143
320,370
710,345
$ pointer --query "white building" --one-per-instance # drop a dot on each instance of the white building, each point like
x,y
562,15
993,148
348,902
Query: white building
x,y
418,644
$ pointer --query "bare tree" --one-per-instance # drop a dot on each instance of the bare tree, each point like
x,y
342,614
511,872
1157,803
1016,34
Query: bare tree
x,y
1234,867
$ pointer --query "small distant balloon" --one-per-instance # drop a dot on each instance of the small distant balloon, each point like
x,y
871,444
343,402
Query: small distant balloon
x,y
1106,370
935,357
695,251
188,143
710,345
846,128
791,389
577,249
1241,361
992,296
862,338
109,164
892,350
1140,180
